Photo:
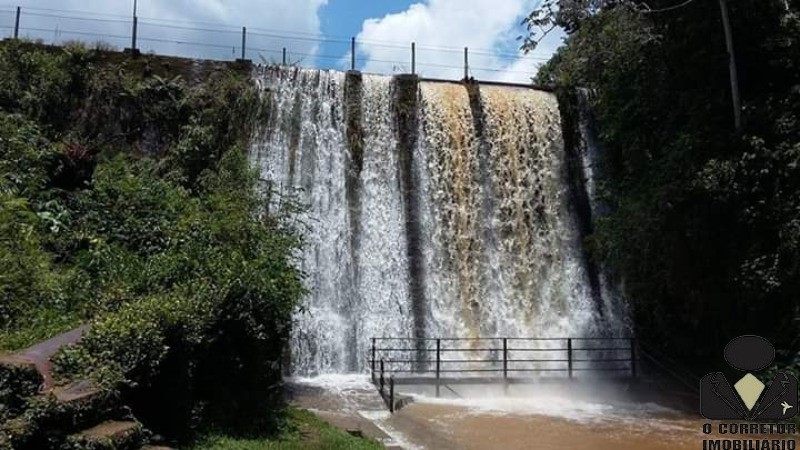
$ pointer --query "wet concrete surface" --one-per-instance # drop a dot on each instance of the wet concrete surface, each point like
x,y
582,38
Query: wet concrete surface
x,y
346,402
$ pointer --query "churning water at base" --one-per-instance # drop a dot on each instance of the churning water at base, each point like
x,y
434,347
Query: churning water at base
x,y
443,212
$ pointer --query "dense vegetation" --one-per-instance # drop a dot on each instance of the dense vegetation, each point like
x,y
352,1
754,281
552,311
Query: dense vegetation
x,y
127,203
704,228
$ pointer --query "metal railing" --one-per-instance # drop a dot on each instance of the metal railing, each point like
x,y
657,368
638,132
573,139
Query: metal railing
x,y
388,398
505,358
225,42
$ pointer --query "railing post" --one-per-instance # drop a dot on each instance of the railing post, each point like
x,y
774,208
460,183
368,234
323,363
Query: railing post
x,y
413,58
505,358
372,360
633,357
438,363
569,356
391,394
466,63
244,43
438,357
373,339
16,23
133,34
353,53
382,382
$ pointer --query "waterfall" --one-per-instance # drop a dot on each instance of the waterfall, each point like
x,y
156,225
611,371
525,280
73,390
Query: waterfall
x,y
432,209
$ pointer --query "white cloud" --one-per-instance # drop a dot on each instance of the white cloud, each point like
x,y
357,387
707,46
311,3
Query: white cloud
x,y
442,28
159,19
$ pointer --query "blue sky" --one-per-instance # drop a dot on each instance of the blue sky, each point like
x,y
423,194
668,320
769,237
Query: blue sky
x,y
314,32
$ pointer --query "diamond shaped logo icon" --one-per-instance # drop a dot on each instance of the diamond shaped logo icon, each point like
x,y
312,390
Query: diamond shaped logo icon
x,y
749,389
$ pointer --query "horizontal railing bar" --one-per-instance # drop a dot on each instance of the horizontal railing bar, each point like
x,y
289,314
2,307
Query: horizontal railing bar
x,y
462,361
433,350
601,348
603,360
486,361
538,349
404,349
508,370
496,339
538,360
601,339
406,361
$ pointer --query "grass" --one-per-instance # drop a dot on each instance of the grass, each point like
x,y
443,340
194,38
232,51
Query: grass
x,y
302,431
36,327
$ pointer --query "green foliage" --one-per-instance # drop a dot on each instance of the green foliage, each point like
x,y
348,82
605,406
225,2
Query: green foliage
x,y
301,430
25,156
224,113
35,82
130,205
18,381
703,228
127,202
218,296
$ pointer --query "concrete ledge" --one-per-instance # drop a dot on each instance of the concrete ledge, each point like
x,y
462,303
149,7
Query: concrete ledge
x,y
490,83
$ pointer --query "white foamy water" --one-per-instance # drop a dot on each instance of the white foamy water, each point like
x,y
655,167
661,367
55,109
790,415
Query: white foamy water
x,y
486,216
586,402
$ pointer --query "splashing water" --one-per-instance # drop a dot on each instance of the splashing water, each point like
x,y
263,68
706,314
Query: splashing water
x,y
484,211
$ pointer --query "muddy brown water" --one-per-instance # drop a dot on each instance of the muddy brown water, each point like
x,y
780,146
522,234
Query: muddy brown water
x,y
590,416
440,426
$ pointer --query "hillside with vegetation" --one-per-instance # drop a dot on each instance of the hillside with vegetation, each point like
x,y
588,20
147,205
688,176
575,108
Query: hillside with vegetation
x,y
127,203
703,234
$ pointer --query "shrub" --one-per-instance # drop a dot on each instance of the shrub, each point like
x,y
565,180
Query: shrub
x,y
25,156
126,202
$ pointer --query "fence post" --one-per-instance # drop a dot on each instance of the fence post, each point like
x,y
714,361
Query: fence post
x,y
438,356
133,34
373,339
633,357
569,356
438,363
16,23
505,358
372,360
244,43
413,58
353,53
391,394
466,63
382,380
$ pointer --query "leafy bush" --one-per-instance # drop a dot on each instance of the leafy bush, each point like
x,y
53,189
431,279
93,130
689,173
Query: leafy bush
x,y
26,281
25,156
218,297
704,221
126,202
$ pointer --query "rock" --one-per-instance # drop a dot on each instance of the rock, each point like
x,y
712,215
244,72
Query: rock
x,y
111,435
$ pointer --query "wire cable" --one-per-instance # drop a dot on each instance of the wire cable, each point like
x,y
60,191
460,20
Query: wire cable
x,y
669,8
283,34
366,46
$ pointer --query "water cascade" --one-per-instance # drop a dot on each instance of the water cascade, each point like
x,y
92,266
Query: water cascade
x,y
433,209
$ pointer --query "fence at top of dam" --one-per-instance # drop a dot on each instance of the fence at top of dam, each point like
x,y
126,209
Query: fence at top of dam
x,y
215,41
